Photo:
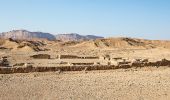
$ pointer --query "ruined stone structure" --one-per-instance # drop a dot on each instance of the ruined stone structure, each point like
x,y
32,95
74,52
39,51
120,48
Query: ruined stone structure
x,y
4,62
41,56
83,63
124,64
76,57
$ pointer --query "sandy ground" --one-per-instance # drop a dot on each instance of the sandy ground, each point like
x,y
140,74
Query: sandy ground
x,y
121,84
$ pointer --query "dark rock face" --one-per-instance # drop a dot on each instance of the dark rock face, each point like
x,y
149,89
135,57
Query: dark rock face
x,y
27,35
76,37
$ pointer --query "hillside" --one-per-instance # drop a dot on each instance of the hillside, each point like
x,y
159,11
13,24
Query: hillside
x,y
20,45
105,43
123,43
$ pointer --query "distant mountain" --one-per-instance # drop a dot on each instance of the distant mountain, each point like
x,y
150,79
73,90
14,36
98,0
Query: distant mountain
x,y
26,35
76,37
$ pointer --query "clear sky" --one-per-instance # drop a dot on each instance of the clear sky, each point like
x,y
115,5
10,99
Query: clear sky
x,y
132,18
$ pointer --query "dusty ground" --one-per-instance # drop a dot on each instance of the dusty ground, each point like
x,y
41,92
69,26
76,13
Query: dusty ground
x,y
121,84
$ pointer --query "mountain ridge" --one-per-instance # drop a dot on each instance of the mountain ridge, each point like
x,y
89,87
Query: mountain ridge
x,y
76,37
28,35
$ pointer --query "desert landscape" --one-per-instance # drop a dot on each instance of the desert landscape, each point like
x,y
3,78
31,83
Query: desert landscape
x,y
71,66
85,50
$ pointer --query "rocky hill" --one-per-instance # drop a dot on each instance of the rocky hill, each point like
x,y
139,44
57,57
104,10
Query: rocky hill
x,y
123,43
76,37
26,35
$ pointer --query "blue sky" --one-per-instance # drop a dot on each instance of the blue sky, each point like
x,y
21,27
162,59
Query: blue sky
x,y
148,19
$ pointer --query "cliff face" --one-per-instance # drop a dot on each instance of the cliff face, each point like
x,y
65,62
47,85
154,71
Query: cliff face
x,y
75,37
24,34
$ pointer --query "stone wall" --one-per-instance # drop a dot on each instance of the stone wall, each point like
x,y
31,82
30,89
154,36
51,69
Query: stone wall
x,y
52,69
8,70
69,57
77,57
41,56
83,63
